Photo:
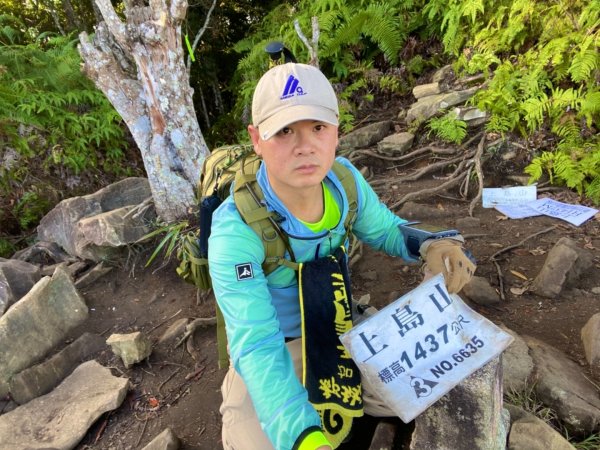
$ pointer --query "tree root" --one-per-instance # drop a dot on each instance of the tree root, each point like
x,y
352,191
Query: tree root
x,y
195,324
479,171
466,159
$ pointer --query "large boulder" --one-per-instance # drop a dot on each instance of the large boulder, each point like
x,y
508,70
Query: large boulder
x,y
517,364
42,378
590,336
70,223
527,432
60,419
560,385
37,323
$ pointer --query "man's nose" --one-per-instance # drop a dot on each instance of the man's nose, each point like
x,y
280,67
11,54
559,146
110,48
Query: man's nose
x,y
304,143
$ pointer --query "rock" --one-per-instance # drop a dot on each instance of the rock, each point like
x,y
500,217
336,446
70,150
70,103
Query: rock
x,y
479,291
445,73
95,273
42,253
167,440
564,265
457,97
104,235
424,108
61,225
37,323
469,417
16,279
425,90
527,432
383,438
60,419
560,385
427,107
471,115
131,348
365,136
590,335
41,379
397,143
517,365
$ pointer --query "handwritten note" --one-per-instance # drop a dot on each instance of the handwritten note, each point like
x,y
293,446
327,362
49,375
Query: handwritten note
x,y
516,195
575,214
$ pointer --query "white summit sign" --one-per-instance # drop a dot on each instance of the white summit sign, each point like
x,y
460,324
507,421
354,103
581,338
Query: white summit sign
x,y
420,346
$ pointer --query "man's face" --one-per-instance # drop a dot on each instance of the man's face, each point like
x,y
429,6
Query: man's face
x,y
298,156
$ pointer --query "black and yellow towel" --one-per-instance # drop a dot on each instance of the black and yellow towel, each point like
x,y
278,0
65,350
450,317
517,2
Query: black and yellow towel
x,y
329,374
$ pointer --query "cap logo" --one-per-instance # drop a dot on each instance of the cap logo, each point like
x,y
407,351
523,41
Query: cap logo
x,y
292,87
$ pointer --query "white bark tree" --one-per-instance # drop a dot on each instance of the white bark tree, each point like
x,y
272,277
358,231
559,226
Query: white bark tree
x,y
140,66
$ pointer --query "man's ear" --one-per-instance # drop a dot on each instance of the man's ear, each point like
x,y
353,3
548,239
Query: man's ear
x,y
255,137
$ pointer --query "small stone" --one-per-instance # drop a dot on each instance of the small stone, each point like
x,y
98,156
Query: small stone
x,y
131,348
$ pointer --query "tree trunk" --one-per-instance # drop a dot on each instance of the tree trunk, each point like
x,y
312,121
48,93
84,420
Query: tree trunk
x,y
154,98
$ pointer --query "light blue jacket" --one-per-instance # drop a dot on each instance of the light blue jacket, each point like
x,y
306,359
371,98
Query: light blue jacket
x,y
261,311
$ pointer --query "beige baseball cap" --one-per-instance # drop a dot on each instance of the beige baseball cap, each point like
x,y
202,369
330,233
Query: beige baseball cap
x,y
291,92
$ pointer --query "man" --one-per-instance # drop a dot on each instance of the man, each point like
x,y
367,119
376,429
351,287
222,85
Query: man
x,y
295,132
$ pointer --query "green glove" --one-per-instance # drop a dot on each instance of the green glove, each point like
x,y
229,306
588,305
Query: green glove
x,y
446,256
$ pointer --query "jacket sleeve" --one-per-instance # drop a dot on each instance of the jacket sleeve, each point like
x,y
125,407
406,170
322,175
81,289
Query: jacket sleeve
x,y
375,224
256,344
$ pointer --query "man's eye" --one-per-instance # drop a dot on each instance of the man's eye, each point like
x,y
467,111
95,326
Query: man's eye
x,y
284,131
319,127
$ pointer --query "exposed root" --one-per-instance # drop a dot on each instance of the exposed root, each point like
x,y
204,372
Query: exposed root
x,y
195,324
479,171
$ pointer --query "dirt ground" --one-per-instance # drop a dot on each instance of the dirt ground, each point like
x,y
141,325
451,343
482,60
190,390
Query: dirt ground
x,y
178,386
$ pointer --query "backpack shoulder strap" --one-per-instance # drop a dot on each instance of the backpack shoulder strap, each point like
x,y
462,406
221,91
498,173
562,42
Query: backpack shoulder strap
x,y
249,200
349,184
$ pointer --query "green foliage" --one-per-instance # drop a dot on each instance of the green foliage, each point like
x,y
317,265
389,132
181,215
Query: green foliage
x,y
543,61
53,123
355,38
170,242
6,248
528,401
449,128
590,443
30,209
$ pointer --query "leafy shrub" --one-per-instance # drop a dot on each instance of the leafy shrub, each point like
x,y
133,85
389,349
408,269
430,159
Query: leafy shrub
x,y
543,62
356,37
449,128
56,128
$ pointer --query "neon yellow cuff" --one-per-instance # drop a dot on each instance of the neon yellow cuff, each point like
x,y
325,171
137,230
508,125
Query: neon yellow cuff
x,y
314,440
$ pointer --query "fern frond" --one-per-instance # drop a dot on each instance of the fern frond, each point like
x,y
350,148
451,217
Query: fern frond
x,y
590,107
535,109
471,8
584,63
448,128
